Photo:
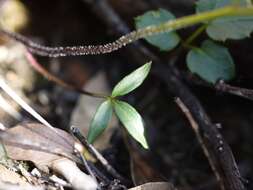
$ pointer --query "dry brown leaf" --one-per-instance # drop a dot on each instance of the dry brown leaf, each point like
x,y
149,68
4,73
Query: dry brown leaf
x,y
47,148
36,143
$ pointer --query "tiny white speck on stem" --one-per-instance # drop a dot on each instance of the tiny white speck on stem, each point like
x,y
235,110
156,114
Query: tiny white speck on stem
x,y
220,149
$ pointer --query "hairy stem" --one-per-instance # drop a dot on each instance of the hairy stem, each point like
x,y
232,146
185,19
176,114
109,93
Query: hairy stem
x,y
132,36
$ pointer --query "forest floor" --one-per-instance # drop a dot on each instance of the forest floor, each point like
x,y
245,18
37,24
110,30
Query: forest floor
x,y
176,153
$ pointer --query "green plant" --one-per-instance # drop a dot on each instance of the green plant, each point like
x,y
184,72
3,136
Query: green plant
x,y
211,61
221,19
128,116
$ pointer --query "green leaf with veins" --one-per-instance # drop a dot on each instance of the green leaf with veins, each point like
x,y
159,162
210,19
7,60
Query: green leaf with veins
x,y
100,121
165,41
131,120
131,81
211,62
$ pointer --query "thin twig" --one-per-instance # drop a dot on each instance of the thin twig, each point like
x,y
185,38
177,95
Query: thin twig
x,y
220,86
75,131
242,92
99,174
23,104
85,163
218,148
196,129
5,87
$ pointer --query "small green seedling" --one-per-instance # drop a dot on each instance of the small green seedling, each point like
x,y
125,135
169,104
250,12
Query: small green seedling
x,y
128,116
221,20
211,61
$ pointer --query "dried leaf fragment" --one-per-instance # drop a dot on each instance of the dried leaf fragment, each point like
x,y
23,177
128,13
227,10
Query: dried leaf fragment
x,y
47,148
37,143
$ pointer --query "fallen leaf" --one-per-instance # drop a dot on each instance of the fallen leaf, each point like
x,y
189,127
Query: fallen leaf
x,y
47,148
38,143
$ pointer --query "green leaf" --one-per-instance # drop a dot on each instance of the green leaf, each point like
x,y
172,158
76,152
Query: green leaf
x,y
100,120
232,27
131,120
165,41
211,62
131,81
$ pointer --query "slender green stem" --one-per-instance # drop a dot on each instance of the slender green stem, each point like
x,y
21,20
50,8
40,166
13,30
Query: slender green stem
x,y
193,19
168,26
189,46
194,35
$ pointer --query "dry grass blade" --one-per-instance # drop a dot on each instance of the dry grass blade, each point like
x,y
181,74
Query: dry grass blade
x,y
23,104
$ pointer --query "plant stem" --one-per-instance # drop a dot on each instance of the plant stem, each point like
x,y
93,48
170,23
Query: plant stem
x,y
39,68
194,35
194,19
132,36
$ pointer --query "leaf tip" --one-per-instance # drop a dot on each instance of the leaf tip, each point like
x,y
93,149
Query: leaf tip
x,y
148,65
145,144
131,81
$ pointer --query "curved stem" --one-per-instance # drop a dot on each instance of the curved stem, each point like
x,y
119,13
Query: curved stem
x,y
132,36
194,35
32,61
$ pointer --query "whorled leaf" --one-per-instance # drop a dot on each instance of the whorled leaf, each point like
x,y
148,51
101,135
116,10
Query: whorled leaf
x,y
211,62
100,120
165,41
131,81
131,120
233,27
